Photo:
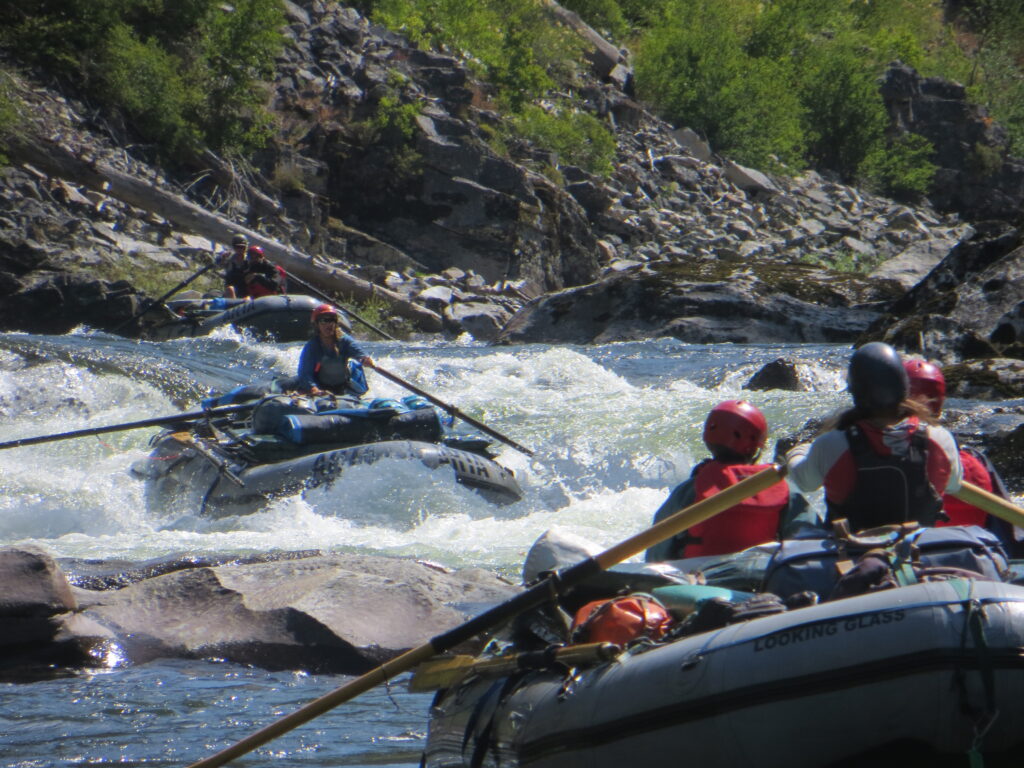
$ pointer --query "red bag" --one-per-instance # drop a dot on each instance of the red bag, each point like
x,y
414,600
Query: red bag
x,y
621,620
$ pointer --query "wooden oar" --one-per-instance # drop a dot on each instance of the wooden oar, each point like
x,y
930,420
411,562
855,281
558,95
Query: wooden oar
x,y
159,421
546,590
446,672
320,294
989,502
452,410
165,297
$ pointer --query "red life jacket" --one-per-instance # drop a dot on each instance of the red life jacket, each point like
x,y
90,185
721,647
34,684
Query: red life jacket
x,y
959,512
750,522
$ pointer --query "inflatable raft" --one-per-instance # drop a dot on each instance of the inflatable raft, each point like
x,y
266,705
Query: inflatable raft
x,y
284,447
931,673
278,318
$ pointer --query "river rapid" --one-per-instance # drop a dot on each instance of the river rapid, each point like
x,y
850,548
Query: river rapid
x,y
614,428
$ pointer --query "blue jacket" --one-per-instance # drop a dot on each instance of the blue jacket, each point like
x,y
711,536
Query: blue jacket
x,y
314,352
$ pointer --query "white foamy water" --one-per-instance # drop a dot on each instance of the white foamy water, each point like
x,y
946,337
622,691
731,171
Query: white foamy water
x,y
614,428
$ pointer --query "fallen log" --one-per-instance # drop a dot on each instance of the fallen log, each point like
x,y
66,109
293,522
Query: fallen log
x,y
56,160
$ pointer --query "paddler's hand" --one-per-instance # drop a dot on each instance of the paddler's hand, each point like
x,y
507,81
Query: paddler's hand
x,y
367,362
316,392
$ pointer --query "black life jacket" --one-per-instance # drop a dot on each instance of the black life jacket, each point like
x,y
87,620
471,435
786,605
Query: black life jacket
x,y
888,489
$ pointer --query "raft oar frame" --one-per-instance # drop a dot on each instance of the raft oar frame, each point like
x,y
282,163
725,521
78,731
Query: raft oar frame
x,y
546,590
159,421
165,297
452,410
445,672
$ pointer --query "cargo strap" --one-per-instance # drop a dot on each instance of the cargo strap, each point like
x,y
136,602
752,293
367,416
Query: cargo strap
x,y
974,623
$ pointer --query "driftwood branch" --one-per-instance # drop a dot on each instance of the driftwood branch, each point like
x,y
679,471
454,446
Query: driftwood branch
x,y
58,161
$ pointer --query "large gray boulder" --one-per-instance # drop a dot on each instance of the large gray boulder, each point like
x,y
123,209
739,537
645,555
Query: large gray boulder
x,y
968,307
39,615
326,613
758,302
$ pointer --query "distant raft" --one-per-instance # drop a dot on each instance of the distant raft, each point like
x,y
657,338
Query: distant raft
x,y
277,318
290,445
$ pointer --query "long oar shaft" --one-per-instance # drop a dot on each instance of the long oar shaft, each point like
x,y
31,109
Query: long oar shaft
x,y
325,297
453,410
159,421
989,502
531,598
165,297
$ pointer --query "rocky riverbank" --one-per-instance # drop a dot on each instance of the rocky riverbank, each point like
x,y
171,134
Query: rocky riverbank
x,y
676,241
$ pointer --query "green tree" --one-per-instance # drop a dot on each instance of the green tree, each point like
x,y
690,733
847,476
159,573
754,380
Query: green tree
x,y
901,168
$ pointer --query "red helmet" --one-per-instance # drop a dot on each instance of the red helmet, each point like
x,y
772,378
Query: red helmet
x,y
737,426
255,251
323,310
927,383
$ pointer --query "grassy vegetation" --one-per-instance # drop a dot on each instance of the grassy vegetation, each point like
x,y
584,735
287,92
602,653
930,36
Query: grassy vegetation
x,y
514,46
185,73
777,84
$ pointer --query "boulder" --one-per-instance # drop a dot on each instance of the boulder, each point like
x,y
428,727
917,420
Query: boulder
x,y
967,306
41,628
778,374
702,304
325,613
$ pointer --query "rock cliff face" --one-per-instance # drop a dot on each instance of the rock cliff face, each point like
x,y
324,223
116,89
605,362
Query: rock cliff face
x,y
975,175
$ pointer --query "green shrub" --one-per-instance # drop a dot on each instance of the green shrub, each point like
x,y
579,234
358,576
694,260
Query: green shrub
x,y
145,80
578,138
844,117
902,168
700,75
9,108
512,43
183,72
603,15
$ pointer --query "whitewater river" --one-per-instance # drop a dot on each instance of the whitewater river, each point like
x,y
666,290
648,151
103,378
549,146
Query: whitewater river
x,y
614,428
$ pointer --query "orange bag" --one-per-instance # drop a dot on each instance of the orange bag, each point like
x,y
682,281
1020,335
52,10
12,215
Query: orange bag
x,y
621,620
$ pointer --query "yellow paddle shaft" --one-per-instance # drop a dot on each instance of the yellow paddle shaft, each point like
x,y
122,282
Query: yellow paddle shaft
x,y
670,526
989,502
692,515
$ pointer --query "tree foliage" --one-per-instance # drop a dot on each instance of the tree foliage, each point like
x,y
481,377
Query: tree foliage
x,y
185,72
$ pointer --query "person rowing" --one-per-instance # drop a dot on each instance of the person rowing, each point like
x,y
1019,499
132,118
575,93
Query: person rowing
x,y
928,386
885,460
323,362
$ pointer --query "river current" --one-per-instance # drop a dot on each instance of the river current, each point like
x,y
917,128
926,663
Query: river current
x,y
614,428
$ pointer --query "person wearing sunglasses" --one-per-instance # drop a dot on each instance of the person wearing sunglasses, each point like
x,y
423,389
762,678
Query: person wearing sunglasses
x,y
235,273
323,362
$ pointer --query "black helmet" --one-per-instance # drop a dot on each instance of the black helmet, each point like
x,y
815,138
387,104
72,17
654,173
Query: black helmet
x,y
876,377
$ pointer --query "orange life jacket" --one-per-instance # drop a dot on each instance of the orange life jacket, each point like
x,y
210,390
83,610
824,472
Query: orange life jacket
x,y
750,522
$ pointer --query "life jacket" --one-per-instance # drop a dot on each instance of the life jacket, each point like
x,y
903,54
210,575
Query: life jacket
x,y
960,512
888,489
257,290
750,522
332,373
